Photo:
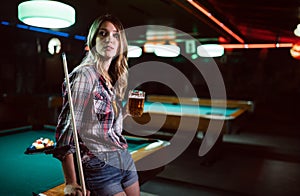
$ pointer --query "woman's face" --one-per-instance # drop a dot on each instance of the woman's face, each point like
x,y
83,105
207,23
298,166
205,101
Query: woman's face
x,y
107,40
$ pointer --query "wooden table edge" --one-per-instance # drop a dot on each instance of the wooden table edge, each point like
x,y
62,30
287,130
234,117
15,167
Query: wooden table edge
x,y
59,190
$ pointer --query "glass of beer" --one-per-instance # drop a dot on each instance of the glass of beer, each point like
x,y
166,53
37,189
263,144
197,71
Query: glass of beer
x,y
136,103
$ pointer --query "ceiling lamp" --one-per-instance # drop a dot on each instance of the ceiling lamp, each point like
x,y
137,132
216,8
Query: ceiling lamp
x,y
297,30
134,51
149,46
54,46
166,50
210,50
295,51
46,14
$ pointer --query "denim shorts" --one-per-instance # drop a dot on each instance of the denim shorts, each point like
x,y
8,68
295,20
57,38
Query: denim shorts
x,y
109,173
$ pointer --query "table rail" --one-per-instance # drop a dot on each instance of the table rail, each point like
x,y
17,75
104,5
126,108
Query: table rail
x,y
247,105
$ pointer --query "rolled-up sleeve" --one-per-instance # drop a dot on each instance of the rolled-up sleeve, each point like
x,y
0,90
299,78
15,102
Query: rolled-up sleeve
x,y
81,88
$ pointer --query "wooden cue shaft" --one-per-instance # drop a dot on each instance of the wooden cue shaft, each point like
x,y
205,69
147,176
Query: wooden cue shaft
x,y
80,169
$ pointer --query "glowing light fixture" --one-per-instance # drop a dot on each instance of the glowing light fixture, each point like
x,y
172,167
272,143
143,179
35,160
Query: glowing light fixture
x,y
46,13
54,46
297,30
275,45
134,51
149,48
295,51
210,50
166,50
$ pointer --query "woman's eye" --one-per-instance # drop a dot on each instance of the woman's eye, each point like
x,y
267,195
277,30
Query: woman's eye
x,y
102,33
116,35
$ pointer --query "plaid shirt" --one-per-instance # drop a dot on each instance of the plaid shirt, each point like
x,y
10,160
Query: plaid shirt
x,y
99,124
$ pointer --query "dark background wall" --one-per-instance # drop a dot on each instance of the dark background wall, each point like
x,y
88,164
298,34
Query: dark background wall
x,y
29,75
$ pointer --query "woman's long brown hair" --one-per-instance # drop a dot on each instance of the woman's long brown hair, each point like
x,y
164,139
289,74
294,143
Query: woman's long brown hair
x,y
118,70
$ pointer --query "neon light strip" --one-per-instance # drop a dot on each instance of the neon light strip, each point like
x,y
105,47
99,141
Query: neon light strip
x,y
42,30
5,23
20,26
62,34
277,45
209,15
80,37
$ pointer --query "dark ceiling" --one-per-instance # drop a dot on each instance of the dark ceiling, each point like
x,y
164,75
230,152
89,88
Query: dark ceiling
x,y
255,21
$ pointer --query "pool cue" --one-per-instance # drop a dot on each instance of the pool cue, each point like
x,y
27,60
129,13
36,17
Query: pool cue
x,y
80,169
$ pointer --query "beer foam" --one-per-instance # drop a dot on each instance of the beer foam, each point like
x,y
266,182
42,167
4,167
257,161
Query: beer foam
x,y
136,96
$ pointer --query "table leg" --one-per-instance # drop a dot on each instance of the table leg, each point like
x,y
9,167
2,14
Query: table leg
x,y
214,153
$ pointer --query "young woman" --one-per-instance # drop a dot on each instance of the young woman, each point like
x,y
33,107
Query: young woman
x,y
98,86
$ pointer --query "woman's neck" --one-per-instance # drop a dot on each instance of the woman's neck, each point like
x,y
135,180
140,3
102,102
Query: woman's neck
x,y
103,68
105,64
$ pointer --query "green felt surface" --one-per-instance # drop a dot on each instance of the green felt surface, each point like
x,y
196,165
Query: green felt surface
x,y
22,174
136,143
187,109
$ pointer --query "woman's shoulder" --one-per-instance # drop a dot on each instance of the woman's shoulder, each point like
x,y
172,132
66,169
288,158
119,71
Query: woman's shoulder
x,y
85,70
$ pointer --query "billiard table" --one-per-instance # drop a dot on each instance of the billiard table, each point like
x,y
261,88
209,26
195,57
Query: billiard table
x,y
201,111
185,117
24,174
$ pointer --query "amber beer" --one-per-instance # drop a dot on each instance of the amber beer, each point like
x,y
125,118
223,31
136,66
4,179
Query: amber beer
x,y
136,103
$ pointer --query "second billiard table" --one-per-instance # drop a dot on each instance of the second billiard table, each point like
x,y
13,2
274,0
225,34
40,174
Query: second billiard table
x,y
181,118
194,111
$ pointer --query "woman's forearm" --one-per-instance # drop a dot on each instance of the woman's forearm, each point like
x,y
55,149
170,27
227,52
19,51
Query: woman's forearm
x,y
69,169
71,188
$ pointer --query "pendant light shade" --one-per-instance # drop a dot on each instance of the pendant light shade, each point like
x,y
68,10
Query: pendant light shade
x,y
47,14
54,46
210,50
166,50
295,51
134,51
297,30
